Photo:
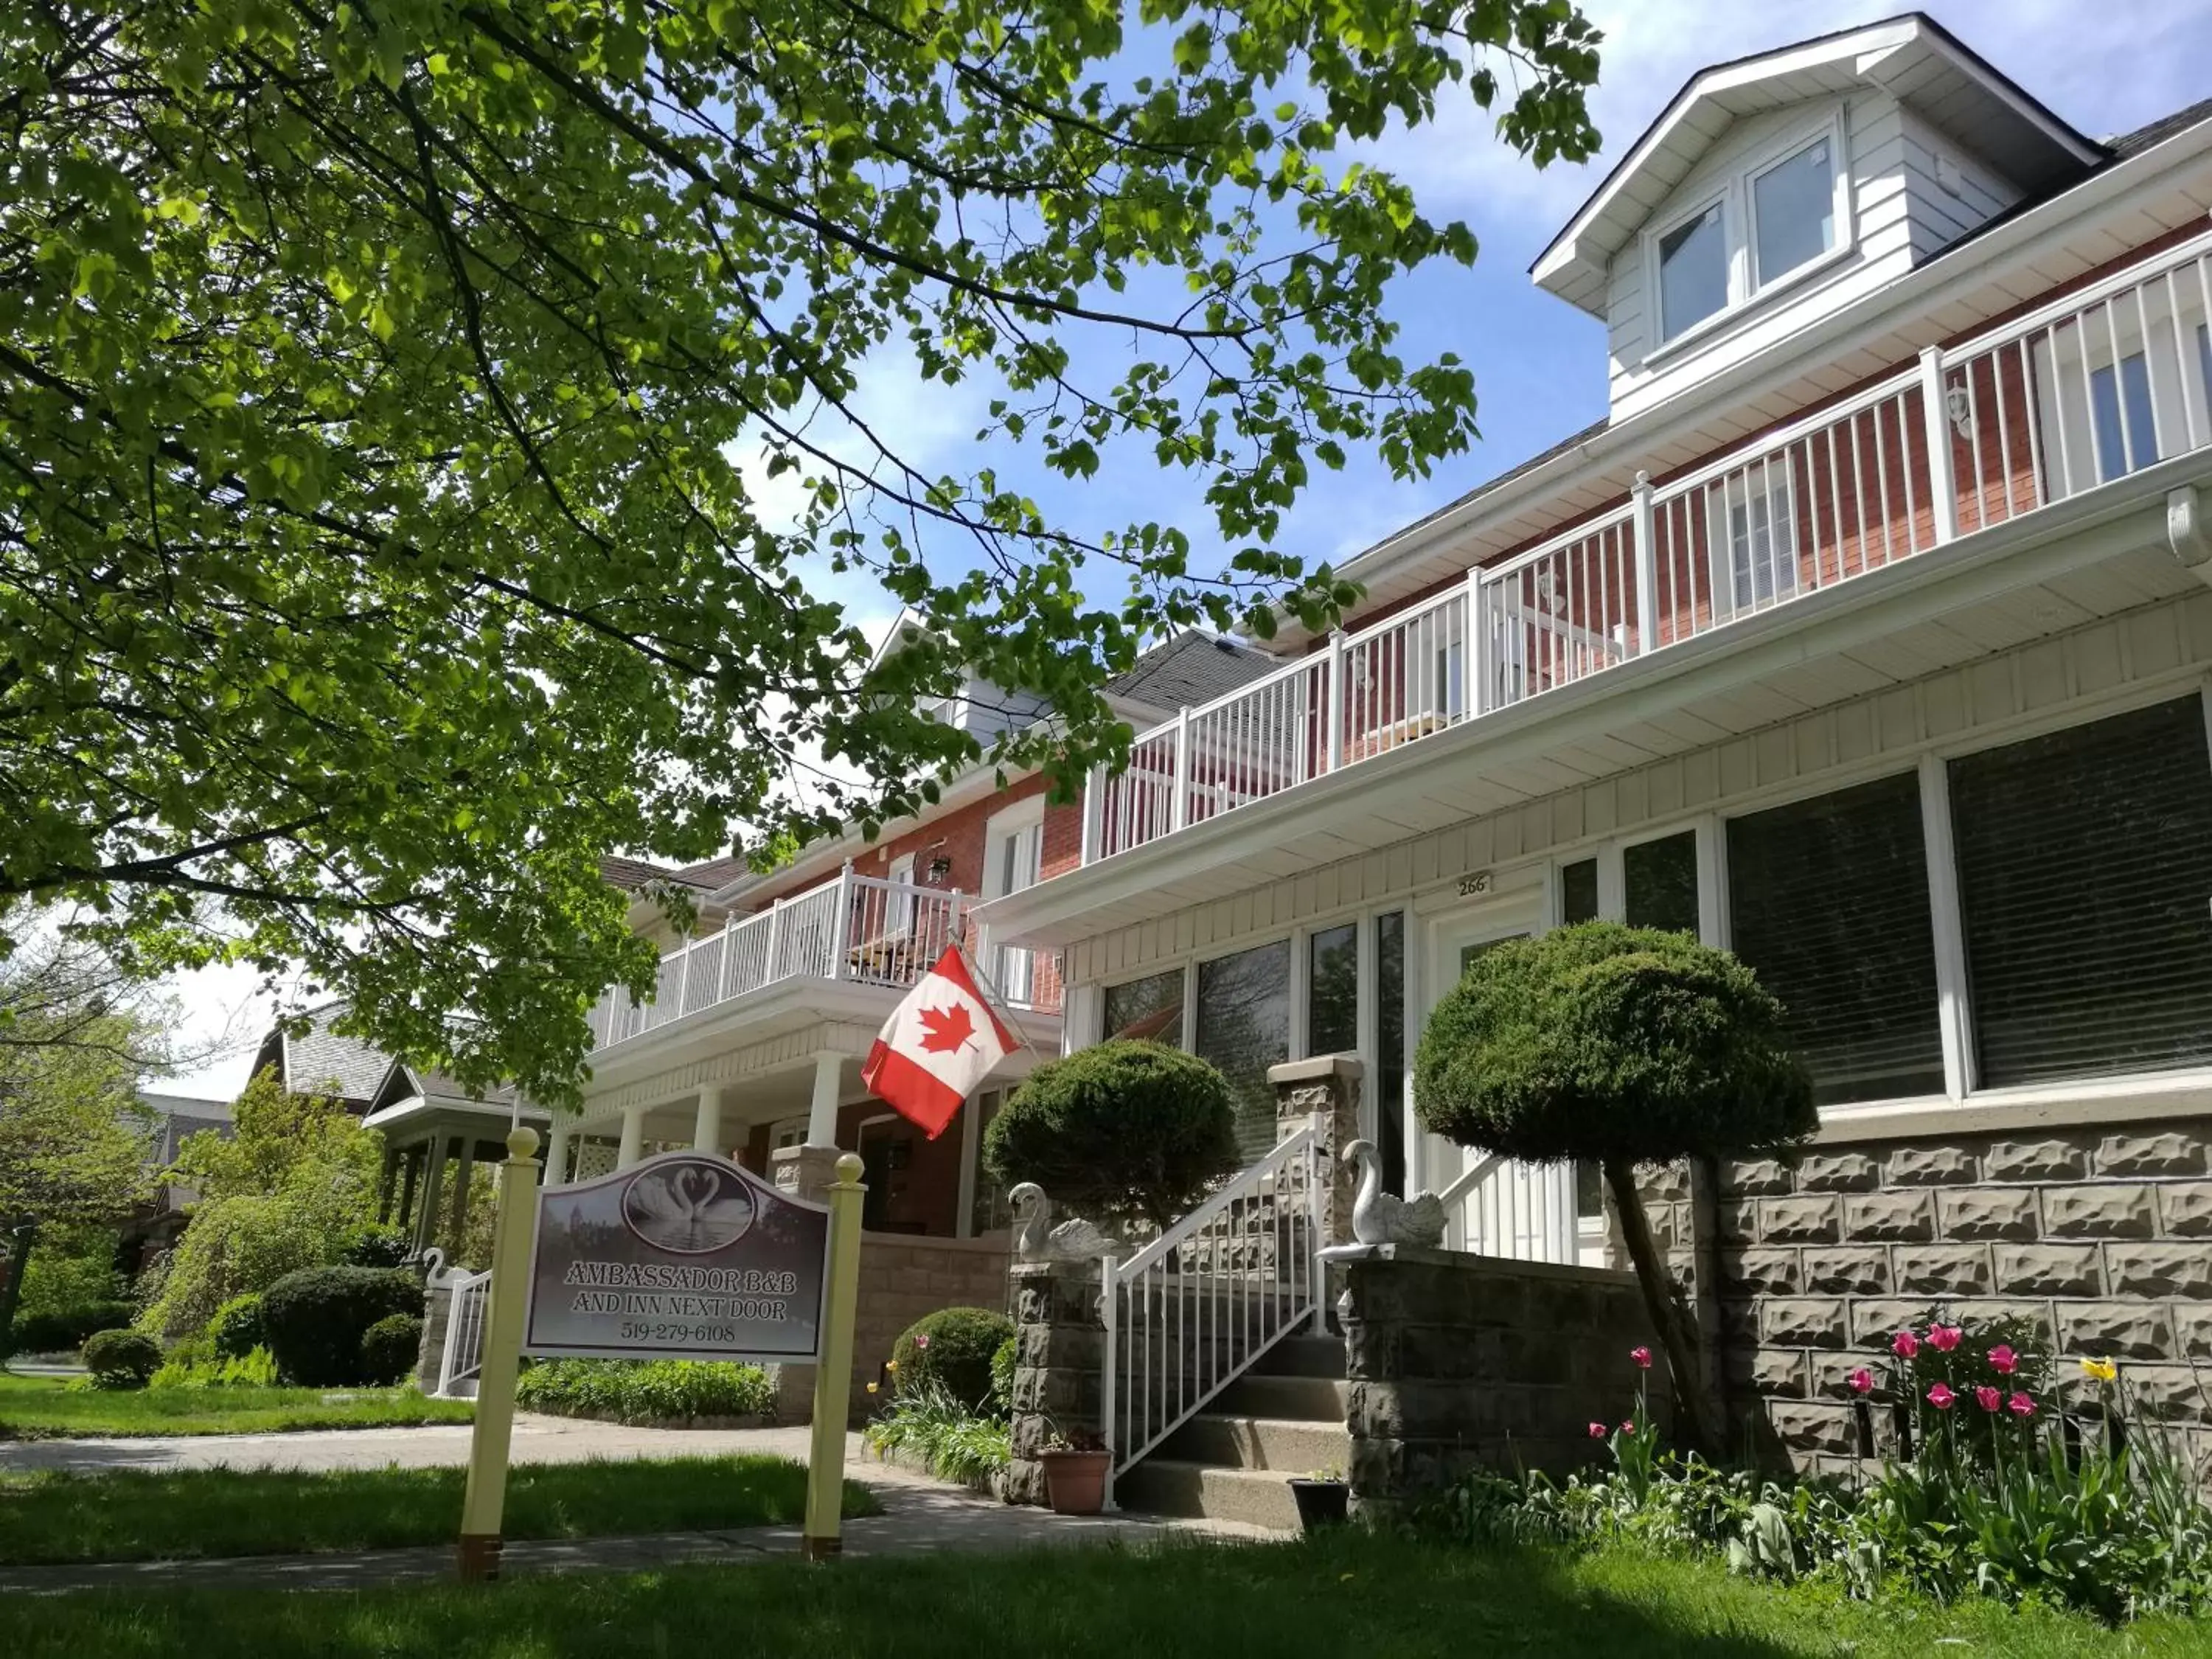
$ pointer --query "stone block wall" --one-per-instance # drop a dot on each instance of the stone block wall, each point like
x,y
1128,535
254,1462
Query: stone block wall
x,y
2101,1235
1458,1362
1060,1369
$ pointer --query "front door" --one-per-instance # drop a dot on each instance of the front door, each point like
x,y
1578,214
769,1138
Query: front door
x,y
1518,1210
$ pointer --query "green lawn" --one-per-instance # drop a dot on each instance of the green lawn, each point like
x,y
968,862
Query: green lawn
x,y
132,1515
44,1407
1354,1595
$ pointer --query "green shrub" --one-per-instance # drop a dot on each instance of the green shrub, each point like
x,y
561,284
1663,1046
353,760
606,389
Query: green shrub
x,y
954,1442
376,1244
1003,1361
71,1269
64,1332
1118,1132
235,1330
644,1390
952,1349
121,1359
256,1369
390,1347
314,1321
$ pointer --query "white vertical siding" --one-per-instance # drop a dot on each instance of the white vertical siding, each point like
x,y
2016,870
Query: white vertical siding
x,y
2085,666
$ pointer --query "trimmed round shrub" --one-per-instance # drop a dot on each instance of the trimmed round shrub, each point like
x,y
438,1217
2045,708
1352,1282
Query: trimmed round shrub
x,y
1124,1131
953,1348
390,1347
235,1330
1620,1045
121,1359
312,1321
376,1245
64,1330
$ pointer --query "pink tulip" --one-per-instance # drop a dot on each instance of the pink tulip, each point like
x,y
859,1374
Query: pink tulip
x,y
1988,1398
920,1342
1905,1345
1629,1427
2002,1360
1861,1381
1944,1338
1642,1357
1597,1431
1941,1397
2021,1405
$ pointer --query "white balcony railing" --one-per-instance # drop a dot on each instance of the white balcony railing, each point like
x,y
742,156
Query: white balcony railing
x,y
2067,397
857,927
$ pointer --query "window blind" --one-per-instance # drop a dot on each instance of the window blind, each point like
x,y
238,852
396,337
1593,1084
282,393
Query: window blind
x,y
2085,872
1828,904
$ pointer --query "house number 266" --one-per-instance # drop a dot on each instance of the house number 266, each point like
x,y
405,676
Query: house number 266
x,y
1477,882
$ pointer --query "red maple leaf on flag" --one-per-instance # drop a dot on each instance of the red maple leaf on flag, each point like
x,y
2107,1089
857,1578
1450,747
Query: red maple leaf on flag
x,y
945,1029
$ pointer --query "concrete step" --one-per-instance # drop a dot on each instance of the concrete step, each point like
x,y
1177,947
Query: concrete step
x,y
1292,1399
1165,1486
1285,1445
1304,1356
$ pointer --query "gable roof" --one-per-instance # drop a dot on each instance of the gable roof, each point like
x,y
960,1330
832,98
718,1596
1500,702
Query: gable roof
x,y
318,1062
1194,668
1911,56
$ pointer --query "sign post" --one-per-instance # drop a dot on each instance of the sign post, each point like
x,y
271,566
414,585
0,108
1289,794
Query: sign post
x,y
484,1501
823,1536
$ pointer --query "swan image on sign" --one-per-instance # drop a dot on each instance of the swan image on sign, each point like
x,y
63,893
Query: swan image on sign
x,y
687,1207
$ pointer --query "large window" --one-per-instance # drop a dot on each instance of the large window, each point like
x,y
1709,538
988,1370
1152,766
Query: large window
x,y
1578,891
1659,880
1793,206
1390,1048
1828,902
2127,430
1333,990
2085,874
1693,274
1149,1008
1244,1028
1762,528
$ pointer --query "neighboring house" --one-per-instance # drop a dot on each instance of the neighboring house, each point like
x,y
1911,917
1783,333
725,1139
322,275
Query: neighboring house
x,y
753,1043
1868,636
435,1133
172,1119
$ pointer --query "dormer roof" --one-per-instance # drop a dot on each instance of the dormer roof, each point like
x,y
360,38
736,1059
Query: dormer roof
x,y
1912,58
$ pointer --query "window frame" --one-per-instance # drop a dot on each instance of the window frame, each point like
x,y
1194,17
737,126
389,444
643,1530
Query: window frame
x,y
1732,191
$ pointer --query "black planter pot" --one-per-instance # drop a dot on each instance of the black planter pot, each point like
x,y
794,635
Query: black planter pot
x,y
1320,1503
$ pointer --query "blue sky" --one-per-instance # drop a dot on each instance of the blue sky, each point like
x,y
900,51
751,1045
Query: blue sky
x,y
1539,364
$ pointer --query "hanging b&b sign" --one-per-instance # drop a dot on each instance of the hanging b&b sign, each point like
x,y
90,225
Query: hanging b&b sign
x,y
683,1256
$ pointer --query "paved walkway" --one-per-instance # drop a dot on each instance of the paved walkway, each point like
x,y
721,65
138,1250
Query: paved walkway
x,y
922,1515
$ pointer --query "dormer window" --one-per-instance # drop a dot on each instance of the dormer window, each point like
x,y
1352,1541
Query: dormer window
x,y
1781,214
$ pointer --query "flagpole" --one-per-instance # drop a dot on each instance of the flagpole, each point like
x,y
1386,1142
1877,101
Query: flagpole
x,y
991,989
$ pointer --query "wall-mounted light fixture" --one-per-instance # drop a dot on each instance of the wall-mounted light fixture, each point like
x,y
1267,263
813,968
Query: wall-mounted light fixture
x,y
939,867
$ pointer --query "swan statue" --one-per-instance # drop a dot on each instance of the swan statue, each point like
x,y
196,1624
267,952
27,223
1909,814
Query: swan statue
x,y
1074,1240
1379,1219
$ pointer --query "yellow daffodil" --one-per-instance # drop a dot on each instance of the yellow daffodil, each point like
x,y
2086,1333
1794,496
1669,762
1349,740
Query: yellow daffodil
x,y
2102,1371
892,1365
872,1388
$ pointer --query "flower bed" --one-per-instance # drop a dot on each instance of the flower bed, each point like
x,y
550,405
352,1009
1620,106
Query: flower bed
x,y
2000,1484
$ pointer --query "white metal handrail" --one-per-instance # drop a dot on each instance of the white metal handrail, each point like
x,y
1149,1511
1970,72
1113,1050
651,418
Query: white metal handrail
x,y
2071,396
1192,1310
861,928
463,1356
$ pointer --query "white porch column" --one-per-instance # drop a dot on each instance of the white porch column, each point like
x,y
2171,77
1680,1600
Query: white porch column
x,y
822,1113
633,1137
557,1151
706,1132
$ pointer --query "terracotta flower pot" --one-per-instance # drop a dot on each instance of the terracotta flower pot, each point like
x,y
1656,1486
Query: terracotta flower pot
x,y
1075,1481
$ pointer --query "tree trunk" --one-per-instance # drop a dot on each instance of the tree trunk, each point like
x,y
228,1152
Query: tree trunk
x,y
20,1237
1696,1426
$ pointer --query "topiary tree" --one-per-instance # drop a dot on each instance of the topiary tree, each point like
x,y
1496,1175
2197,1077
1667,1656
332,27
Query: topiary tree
x,y
1123,1131
1625,1047
953,1347
313,1320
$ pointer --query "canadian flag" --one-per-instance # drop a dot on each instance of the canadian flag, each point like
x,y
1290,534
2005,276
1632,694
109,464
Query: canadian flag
x,y
941,1042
